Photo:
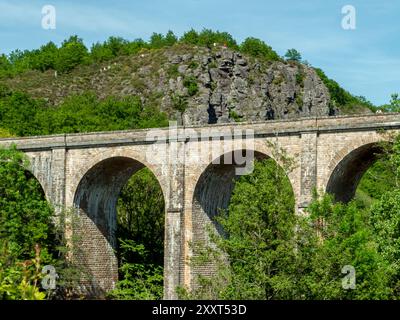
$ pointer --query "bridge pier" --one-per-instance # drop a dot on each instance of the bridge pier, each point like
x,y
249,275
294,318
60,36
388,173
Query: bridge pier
x,y
58,172
308,169
174,232
331,154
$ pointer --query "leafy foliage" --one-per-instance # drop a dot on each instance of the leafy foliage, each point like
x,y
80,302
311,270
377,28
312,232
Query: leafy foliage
x,y
19,279
207,38
158,40
191,84
71,54
270,253
258,49
23,116
385,221
24,214
394,104
376,181
259,225
341,97
4,133
345,238
25,232
141,239
293,55
140,281
141,214
28,238
73,51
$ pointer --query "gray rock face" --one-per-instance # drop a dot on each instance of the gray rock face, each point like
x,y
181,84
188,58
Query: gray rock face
x,y
217,85
232,87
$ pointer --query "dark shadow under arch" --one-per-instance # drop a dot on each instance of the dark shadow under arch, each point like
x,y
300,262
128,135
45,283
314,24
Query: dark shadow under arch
x,y
212,192
347,174
29,175
96,198
214,187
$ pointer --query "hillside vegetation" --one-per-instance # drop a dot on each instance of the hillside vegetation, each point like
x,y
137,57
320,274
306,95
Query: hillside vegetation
x,y
203,77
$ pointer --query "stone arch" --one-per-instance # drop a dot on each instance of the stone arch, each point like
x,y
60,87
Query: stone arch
x,y
348,166
85,162
95,199
31,175
39,167
212,191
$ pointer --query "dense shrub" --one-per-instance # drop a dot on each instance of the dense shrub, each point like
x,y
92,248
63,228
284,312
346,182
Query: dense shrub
x,y
259,49
71,54
23,116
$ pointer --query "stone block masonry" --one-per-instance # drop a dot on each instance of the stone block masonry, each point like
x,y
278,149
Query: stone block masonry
x,y
87,171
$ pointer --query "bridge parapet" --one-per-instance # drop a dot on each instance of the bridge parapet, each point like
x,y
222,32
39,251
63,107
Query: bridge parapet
x,y
329,153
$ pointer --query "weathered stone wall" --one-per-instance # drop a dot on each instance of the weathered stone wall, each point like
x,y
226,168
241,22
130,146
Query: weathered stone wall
x,y
87,171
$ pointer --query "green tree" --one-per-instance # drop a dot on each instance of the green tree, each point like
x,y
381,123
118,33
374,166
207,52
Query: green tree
x,y
384,218
190,37
4,133
45,58
135,46
157,40
259,244
24,214
258,49
139,280
345,238
268,252
394,105
5,66
141,214
99,53
170,38
116,45
72,53
208,37
293,55
21,115
191,84
85,113
26,240
17,114
20,61
140,236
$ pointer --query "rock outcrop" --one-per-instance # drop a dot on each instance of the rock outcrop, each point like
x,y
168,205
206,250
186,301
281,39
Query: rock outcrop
x,y
215,85
233,87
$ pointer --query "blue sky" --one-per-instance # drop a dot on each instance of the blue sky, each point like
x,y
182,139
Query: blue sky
x,y
365,61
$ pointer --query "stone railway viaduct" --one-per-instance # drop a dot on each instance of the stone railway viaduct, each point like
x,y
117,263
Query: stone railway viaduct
x,y
87,172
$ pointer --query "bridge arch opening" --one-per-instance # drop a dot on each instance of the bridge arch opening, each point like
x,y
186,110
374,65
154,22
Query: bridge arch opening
x,y
98,200
39,187
347,174
212,193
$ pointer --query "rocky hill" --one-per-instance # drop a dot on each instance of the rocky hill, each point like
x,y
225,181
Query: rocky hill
x,y
196,85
